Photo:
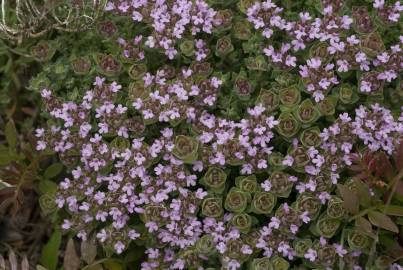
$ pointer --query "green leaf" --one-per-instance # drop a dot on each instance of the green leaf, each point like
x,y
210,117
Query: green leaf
x,y
113,265
350,199
382,221
47,186
392,210
11,134
89,250
364,196
40,267
53,170
50,252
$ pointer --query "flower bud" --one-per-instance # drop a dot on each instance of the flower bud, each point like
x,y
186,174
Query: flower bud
x,y
236,200
212,207
268,99
263,203
242,221
186,149
288,126
310,137
224,46
187,47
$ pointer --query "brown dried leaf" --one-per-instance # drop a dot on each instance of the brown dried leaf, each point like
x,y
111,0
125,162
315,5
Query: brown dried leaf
x,y
71,260
89,250
350,199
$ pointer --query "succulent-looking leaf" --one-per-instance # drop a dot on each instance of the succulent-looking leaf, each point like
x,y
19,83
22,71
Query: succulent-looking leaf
x,y
382,221
11,134
89,250
392,210
350,198
53,170
50,252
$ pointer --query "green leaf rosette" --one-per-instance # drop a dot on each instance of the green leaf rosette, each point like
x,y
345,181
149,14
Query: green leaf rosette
x,y
243,222
275,160
288,126
81,65
335,208
224,46
261,264
206,245
247,183
319,50
347,94
281,186
279,263
327,226
263,203
186,149
326,255
43,51
307,113
187,47
242,29
237,200
310,203
225,16
372,44
153,213
301,158
268,99
243,87
108,65
137,90
137,71
301,246
290,97
358,240
234,247
327,106
310,137
214,180
212,207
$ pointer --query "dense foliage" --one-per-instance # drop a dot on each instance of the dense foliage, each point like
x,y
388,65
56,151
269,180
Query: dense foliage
x,y
221,134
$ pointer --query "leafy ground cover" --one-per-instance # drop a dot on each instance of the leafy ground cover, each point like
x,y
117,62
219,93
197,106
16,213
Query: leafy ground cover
x,y
216,134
